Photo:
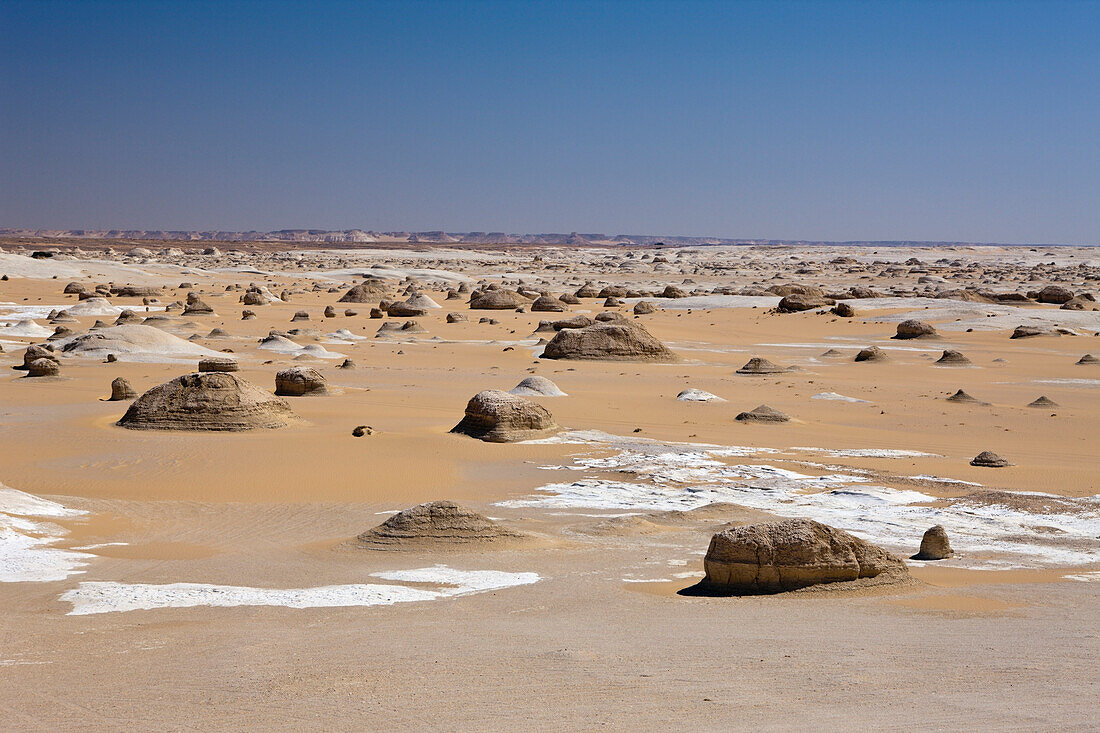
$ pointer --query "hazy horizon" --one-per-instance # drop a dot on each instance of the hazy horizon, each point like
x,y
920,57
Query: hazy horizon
x,y
969,122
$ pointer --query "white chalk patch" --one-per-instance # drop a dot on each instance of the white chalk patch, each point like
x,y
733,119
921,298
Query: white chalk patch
x,y
662,476
26,551
941,480
102,544
698,395
110,597
838,398
1090,577
867,452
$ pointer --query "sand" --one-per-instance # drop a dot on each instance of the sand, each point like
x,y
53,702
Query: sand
x,y
995,637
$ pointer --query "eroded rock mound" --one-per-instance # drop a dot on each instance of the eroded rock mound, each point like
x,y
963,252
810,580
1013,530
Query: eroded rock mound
x,y
499,299
951,357
760,365
797,302
499,417
989,459
872,353
934,545
796,553
121,390
608,341
219,364
299,381
365,292
207,401
914,330
437,523
762,413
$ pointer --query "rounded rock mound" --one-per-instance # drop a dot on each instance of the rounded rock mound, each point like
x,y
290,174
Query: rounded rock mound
x,y
913,329
608,341
499,417
537,386
989,459
134,342
438,523
773,557
207,401
499,299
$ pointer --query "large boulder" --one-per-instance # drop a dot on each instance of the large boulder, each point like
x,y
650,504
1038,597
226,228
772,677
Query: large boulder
x,y
1054,294
608,341
795,553
797,302
207,401
499,417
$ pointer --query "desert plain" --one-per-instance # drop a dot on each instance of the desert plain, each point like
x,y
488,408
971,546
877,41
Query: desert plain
x,y
195,579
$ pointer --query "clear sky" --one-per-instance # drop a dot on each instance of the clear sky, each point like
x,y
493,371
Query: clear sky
x,y
817,120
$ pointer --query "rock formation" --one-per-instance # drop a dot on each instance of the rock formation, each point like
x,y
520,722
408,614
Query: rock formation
x,y
207,401
611,341
795,553
500,417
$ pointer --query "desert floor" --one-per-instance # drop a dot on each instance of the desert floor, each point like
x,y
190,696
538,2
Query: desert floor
x,y
1002,636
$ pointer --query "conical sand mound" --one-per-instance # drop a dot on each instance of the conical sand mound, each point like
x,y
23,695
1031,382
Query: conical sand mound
x,y
762,413
499,417
950,357
872,353
207,401
1088,359
608,341
1042,402
964,398
438,523
760,365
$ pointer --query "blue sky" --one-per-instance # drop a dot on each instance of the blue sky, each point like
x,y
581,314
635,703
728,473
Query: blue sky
x,y
817,120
